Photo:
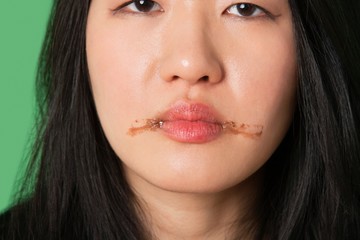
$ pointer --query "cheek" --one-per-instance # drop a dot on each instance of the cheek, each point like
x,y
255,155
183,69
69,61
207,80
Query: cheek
x,y
264,83
276,90
108,65
118,66
265,76
277,82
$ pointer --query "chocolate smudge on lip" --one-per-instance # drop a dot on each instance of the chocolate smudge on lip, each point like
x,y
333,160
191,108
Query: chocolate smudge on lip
x,y
247,130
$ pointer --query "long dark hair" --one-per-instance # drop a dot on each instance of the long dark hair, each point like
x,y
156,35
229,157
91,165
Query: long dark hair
x,y
75,187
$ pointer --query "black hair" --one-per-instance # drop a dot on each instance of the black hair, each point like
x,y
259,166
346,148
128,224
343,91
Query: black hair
x,y
75,187
317,177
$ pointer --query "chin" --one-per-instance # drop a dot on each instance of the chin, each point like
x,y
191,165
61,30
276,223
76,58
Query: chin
x,y
208,180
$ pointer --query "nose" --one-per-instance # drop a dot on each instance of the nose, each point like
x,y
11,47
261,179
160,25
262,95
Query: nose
x,y
189,53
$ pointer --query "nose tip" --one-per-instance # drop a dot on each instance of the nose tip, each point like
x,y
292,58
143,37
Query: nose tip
x,y
192,65
195,67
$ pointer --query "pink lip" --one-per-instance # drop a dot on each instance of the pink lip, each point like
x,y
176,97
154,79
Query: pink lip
x,y
191,123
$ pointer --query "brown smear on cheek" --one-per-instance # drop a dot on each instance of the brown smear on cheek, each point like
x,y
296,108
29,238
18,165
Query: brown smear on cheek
x,y
247,130
149,125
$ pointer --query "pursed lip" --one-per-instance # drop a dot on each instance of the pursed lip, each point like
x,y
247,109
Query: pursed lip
x,y
191,123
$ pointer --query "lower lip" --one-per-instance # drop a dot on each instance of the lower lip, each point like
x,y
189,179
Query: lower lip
x,y
191,131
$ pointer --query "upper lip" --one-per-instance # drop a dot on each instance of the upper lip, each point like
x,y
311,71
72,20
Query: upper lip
x,y
191,111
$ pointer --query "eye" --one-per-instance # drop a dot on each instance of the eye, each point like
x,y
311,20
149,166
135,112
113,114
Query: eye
x,y
247,10
139,6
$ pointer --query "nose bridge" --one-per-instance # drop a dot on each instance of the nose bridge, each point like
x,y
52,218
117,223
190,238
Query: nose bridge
x,y
189,52
188,28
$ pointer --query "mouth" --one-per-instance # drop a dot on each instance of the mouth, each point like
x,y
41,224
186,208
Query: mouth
x,y
193,123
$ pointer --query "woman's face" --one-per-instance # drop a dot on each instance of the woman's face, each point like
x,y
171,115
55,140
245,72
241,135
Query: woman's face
x,y
211,82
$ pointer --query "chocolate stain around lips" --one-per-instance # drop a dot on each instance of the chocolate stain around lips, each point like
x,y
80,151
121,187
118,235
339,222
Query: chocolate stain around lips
x,y
246,130
148,125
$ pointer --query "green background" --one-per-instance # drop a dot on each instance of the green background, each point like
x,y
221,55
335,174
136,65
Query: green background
x,y
22,29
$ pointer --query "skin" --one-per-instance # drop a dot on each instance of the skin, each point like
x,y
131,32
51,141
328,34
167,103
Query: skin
x,y
142,63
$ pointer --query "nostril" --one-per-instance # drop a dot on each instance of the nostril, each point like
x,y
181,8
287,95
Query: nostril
x,y
175,77
204,79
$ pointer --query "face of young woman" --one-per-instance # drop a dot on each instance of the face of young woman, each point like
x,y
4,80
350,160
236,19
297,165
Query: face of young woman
x,y
193,95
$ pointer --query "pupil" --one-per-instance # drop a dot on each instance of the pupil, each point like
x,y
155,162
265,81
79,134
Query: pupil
x,y
246,9
144,5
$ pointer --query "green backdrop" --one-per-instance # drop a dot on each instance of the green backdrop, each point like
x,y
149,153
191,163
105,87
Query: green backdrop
x,y
22,29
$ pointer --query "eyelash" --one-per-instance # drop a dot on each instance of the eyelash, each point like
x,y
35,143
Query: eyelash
x,y
260,12
122,7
